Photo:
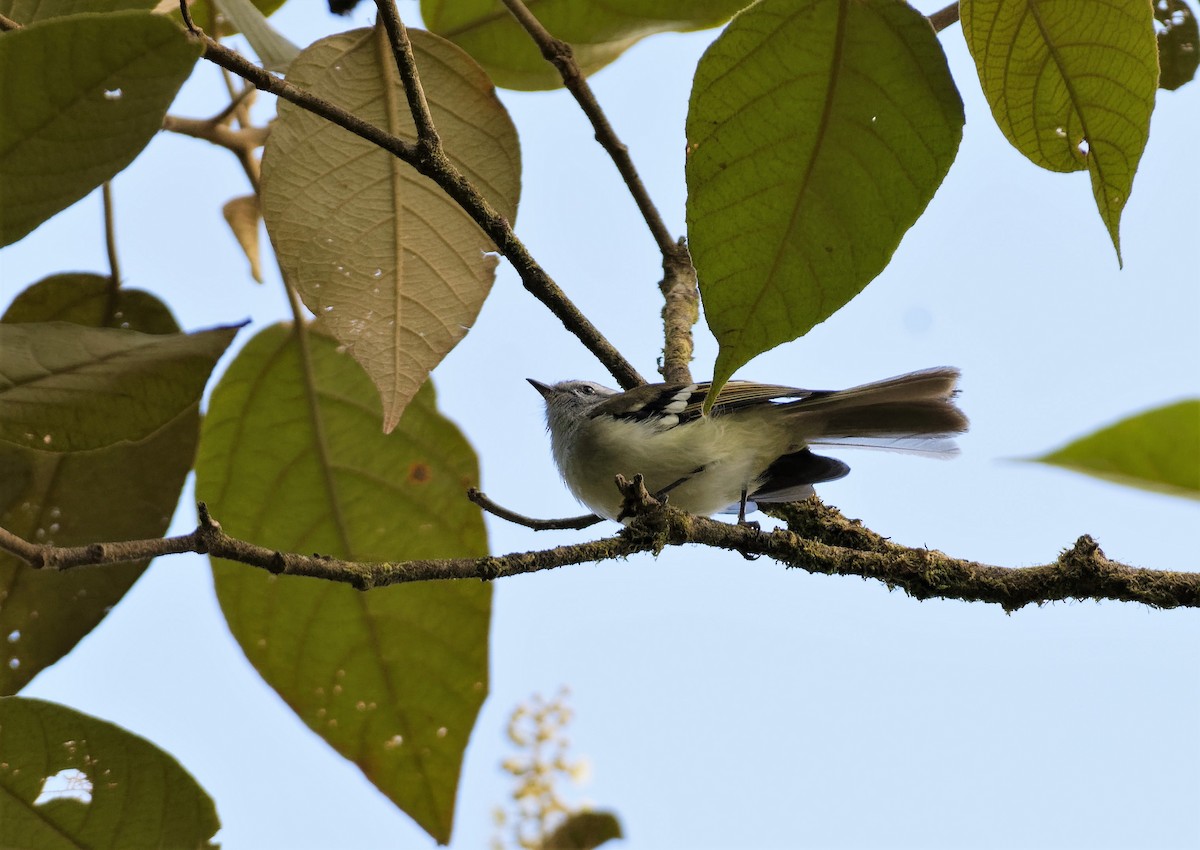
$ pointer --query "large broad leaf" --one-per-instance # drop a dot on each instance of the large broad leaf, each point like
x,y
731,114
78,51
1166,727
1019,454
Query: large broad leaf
x,y
1178,43
68,388
597,32
81,97
28,11
817,133
68,780
1071,83
392,266
292,457
123,492
1156,450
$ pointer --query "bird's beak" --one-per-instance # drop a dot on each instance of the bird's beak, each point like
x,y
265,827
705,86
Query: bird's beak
x,y
545,389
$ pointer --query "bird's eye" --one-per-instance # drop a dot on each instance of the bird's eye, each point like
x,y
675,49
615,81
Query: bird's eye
x,y
586,390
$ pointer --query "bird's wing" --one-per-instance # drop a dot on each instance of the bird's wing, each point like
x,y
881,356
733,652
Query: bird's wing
x,y
673,404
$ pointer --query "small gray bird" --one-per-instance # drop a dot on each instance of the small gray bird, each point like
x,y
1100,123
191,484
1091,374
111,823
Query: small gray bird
x,y
754,446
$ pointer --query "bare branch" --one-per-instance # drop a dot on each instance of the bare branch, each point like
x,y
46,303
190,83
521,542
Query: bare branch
x,y
678,286
218,132
559,54
681,310
578,522
818,539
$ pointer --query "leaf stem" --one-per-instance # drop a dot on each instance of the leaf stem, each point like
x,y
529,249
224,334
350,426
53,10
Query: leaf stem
x,y
110,245
943,18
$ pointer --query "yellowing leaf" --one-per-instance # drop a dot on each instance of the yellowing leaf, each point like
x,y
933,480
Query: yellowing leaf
x,y
68,780
392,267
82,96
69,388
1156,450
126,491
242,216
597,32
817,133
292,457
1071,84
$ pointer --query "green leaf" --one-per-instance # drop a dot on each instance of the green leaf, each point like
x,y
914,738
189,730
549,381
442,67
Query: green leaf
x,y
68,388
1071,84
202,16
583,831
291,457
69,780
82,96
1178,43
124,492
817,133
29,11
389,263
273,49
597,32
83,299
1156,450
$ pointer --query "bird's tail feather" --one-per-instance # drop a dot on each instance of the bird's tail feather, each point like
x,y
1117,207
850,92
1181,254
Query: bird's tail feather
x,y
916,404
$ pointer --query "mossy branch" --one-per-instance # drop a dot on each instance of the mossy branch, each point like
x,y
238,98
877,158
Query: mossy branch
x,y
817,539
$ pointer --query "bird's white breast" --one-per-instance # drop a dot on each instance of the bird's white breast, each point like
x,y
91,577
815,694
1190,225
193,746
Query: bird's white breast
x,y
717,455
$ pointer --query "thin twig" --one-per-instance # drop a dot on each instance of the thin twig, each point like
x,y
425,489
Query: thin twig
x,y
406,65
559,54
8,24
680,311
217,132
242,142
237,99
533,277
943,18
577,522
110,245
1081,572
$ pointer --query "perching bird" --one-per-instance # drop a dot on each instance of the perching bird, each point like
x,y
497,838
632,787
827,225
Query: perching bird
x,y
754,446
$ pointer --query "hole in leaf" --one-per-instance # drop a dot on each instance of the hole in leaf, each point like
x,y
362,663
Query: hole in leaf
x,y
113,94
68,784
